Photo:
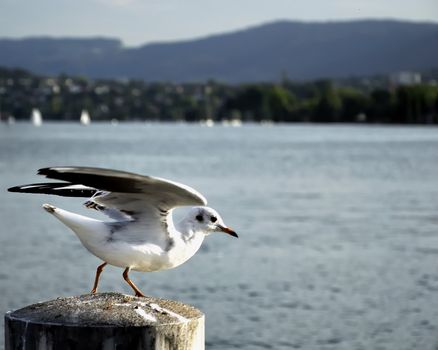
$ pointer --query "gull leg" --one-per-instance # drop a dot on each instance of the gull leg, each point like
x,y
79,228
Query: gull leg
x,y
96,280
137,291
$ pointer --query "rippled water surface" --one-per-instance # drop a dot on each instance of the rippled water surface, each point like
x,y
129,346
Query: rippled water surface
x,y
338,228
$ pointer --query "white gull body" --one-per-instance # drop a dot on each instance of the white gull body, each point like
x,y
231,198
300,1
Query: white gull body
x,y
141,246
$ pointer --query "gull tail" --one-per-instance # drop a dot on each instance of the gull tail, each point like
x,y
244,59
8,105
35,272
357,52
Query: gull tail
x,y
87,229
56,188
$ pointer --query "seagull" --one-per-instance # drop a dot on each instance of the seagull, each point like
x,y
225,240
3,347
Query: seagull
x,y
141,234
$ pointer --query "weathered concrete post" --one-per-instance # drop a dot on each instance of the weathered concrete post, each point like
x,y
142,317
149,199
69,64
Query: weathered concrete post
x,y
105,321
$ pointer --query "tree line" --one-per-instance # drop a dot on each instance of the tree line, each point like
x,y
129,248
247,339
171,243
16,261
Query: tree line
x,y
323,101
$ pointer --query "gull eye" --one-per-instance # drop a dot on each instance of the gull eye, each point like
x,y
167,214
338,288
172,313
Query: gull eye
x,y
199,217
213,219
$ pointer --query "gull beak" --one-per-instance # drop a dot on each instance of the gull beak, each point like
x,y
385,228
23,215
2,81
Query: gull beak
x,y
227,230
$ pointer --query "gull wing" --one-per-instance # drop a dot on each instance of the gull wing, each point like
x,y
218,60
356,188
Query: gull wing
x,y
119,187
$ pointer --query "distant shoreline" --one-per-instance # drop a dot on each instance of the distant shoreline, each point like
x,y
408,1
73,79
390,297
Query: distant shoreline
x,y
406,98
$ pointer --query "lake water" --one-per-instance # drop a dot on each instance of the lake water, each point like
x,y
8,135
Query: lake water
x,y
338,229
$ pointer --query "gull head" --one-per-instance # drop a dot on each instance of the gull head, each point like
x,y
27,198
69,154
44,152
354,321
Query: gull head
x,y
207,220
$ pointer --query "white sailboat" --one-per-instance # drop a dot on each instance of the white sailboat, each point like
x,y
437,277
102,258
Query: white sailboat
x,y
232,122
235,122
85,117
207,122
11,120
36,117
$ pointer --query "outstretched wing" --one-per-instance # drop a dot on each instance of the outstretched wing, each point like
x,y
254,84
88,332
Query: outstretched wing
x,y
117,193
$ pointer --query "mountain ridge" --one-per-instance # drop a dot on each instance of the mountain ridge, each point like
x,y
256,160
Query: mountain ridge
x,y
300,50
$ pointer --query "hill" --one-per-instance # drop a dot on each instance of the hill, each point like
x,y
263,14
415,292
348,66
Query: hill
x,y
300,50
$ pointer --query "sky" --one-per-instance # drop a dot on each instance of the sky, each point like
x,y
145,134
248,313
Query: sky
x,y
137,22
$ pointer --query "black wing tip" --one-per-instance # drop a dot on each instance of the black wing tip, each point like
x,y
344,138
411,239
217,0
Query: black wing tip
x,y
56,188
31,188
43,171
55,172
50,170
68,169
14,189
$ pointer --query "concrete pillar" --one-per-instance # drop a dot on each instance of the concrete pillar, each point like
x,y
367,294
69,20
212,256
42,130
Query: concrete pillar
x,y
105,321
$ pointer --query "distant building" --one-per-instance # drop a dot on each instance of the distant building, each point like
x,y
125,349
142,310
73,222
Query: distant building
x,y
405,78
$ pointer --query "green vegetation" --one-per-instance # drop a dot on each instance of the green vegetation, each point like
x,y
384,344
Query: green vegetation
x,y
63,98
